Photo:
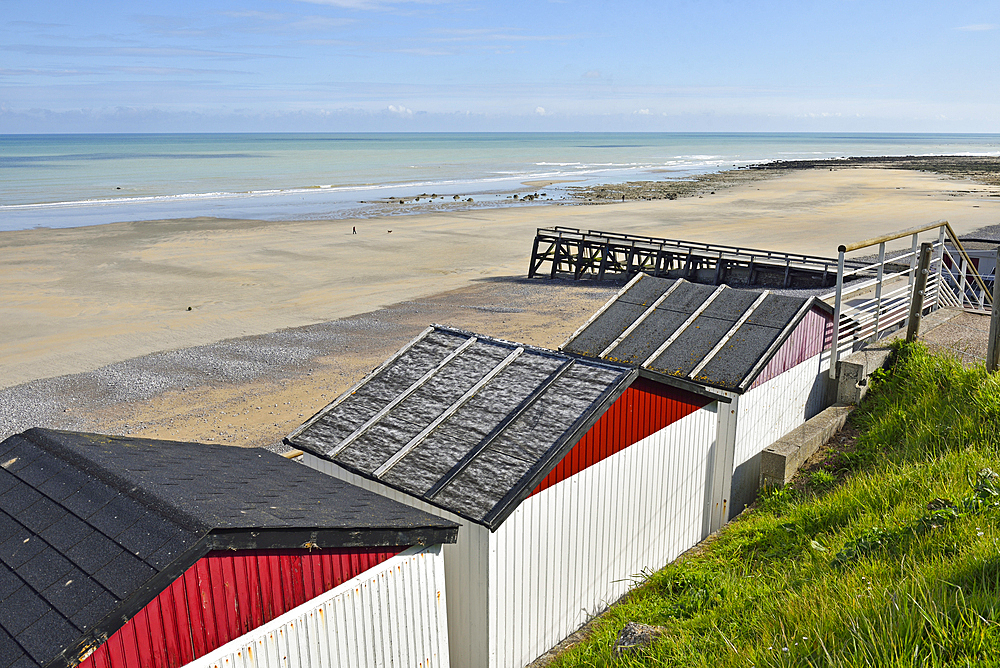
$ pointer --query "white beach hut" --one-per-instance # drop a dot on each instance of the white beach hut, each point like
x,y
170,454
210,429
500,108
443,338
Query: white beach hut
x,y
571,474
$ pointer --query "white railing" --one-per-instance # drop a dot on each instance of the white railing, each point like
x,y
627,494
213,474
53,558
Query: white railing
x,y
968,289
873,299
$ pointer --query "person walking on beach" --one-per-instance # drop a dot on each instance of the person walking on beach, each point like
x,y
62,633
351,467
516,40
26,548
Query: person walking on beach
x,y
354,230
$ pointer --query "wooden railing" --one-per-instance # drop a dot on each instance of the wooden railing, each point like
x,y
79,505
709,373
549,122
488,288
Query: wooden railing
x,y
596,254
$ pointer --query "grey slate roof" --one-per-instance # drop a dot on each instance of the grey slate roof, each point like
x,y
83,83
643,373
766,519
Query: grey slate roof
x,y
465,422
715,336
94,527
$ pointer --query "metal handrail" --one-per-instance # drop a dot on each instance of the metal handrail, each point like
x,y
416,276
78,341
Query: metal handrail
x,y
891,237
917,230
938,287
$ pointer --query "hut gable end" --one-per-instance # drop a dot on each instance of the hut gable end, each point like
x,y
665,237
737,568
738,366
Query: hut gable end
x,y
96,532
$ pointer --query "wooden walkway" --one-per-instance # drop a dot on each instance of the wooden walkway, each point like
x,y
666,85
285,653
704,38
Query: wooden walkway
x,y
595,254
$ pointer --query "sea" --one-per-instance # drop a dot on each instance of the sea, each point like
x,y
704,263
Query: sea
x,y
67,180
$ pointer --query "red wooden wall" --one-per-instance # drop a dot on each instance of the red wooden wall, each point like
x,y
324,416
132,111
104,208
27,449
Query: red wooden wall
x,y
643,409
224,595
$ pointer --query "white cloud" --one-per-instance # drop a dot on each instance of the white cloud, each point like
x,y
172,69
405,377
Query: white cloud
x,y
45,73
253,14
327,42
319,23
423,52
368,4
400,110
494,35
979,27
172,71
592,74
642,112
260,22
117,51
540,111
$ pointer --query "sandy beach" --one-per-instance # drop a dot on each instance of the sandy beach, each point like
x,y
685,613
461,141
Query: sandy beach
x,y
74,301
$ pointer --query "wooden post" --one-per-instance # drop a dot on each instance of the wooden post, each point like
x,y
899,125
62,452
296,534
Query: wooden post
x,y
993,346
579,259
555,256
605,249
534,254
919,287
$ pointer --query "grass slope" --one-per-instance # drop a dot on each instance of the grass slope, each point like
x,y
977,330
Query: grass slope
x,y
888,557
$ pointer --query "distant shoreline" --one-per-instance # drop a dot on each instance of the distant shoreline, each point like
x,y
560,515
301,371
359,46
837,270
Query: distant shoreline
x,y
59,182
211,300
981,169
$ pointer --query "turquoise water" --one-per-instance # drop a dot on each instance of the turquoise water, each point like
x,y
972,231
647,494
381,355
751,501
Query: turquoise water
x,y
74,180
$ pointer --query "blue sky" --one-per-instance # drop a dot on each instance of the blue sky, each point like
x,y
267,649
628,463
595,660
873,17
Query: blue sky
x,y
440,65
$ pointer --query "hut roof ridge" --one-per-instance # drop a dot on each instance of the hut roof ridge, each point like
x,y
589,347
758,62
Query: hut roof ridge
x,y
463,421
672,329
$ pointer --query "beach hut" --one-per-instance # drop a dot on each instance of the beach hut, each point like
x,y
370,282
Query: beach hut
x,y
570,476
573,471
128,552
768,352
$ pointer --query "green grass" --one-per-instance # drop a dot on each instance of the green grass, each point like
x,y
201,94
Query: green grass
x,y
888,558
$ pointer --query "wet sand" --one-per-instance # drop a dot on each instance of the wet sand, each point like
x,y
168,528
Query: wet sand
x,y
93,301
253,390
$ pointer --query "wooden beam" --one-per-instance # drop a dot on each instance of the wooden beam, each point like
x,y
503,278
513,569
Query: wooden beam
x,y
919,288
534,254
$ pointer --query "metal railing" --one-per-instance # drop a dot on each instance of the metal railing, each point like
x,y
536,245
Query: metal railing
x,y
873,299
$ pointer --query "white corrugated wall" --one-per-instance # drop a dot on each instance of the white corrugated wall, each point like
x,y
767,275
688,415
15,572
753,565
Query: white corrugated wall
x,y
465,563
573,548
768,412
391,615
775,407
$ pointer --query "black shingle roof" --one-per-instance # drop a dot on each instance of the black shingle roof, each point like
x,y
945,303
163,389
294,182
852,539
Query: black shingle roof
x,y
94,527
466,422
713,336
